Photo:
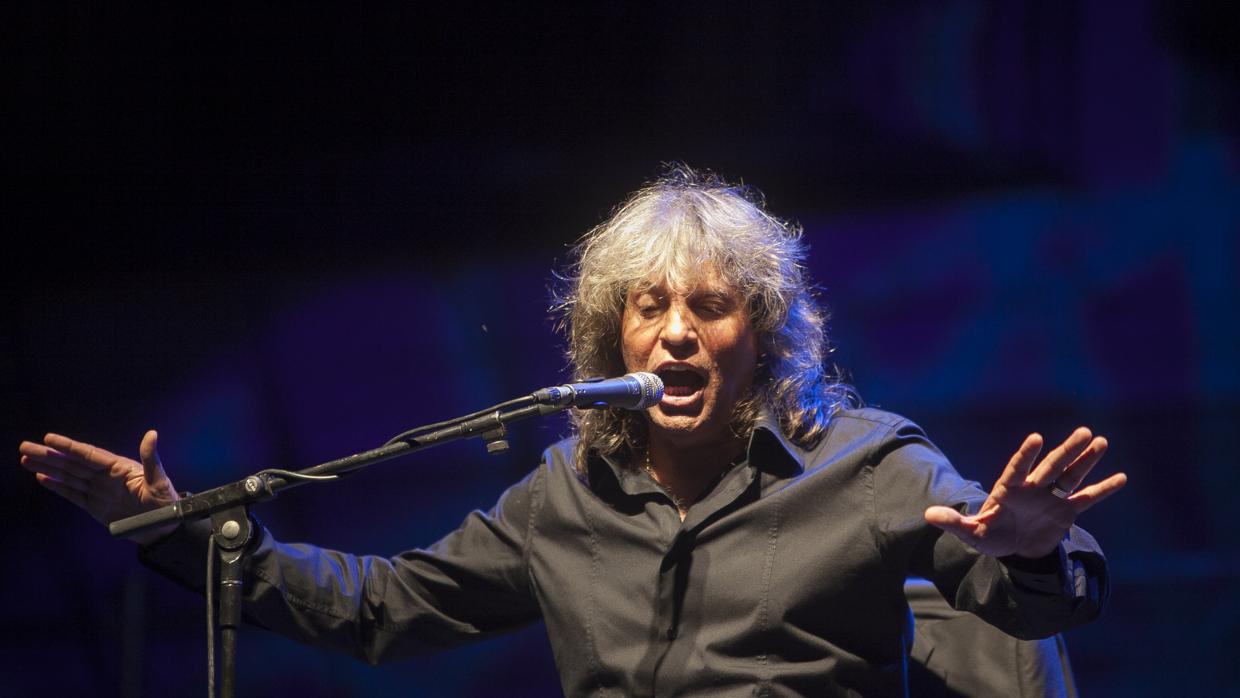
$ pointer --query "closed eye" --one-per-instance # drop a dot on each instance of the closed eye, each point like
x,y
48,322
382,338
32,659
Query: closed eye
x,y
649,304
713,306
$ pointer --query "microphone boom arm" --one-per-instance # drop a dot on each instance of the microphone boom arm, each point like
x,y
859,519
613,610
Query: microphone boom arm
x,y
266,484
231,530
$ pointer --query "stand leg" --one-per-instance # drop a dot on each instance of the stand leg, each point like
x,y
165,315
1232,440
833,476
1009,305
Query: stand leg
x,y
229,620
232,532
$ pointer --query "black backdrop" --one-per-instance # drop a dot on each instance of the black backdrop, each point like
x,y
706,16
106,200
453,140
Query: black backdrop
x,y
281,234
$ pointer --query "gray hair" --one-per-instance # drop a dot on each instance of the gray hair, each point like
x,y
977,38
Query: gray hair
x,y
668,231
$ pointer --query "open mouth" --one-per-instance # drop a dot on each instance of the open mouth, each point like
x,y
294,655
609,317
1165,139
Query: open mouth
x,y
681,382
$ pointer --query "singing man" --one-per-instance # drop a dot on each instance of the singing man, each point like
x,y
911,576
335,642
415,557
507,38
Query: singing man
x,y
749,534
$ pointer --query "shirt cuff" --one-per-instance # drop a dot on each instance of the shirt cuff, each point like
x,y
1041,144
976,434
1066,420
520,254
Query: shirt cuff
x,y
1044,575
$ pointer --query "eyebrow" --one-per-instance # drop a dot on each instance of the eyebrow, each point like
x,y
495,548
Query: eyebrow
x,y
699,293
713,293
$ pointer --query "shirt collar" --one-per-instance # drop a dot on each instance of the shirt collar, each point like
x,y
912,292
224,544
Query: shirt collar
x,y
768,451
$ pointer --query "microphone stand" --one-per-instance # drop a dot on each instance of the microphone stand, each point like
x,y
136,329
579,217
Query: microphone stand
x,y
226,506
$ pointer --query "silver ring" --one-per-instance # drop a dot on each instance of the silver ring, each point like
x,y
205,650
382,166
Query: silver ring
x,y
1059,491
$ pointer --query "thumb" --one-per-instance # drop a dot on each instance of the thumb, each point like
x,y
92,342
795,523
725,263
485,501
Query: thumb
x,y
152,468
951,521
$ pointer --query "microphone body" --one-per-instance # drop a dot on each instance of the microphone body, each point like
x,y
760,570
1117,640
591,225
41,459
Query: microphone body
x,y
632,391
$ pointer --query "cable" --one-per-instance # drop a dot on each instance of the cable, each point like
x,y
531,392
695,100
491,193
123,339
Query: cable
x,y
291,475
515,402
210,617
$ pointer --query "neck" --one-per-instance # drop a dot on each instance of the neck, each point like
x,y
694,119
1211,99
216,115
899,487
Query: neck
x,y
686,471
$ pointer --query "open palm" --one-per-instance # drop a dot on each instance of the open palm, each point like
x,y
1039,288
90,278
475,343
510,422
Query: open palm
x,y
107,486
1022,516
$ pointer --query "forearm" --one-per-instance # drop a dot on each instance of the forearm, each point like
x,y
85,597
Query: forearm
x,y
369,607
1020,598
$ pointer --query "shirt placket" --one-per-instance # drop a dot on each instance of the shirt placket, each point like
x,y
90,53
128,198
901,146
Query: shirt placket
x,y
675,567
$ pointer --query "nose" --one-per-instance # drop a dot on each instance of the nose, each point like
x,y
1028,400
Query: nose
x,y
678,327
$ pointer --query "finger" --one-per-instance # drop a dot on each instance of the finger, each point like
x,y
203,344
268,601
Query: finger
x,y
82,451
152,467
1086,497
952,521
30,448
61,489
68,478
55,458
1059,458
1018,465
1075,474
41,456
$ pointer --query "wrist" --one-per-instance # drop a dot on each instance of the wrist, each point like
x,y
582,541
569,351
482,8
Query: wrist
x,y
1043,564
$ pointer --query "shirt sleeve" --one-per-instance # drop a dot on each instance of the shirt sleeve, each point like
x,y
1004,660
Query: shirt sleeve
x,y
471,584
1026,599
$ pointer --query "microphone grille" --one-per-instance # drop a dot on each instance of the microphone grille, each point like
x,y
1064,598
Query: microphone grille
x,y
651,388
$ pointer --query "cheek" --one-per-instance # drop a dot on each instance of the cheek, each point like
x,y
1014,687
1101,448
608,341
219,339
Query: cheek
x,y
632,361
634,348
737,356
744,362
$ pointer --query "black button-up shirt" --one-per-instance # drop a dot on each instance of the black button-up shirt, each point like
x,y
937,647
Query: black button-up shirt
x,y
785,578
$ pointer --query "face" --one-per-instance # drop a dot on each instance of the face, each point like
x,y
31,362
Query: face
x,y
702,345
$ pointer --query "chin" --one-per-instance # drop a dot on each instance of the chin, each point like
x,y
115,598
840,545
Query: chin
x,y
688,429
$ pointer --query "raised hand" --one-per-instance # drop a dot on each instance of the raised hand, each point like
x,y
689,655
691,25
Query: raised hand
x,y
1030,509
107,486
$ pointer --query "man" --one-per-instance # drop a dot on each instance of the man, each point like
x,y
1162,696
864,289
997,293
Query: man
x,y
750,533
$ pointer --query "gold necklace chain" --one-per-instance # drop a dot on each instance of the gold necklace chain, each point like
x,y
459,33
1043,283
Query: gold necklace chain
x,y
680,503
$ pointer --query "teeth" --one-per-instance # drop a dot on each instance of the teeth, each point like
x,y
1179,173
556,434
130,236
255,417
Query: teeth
x,y
681,381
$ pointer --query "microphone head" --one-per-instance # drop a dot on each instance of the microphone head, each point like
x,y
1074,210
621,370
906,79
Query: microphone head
x,y
632,391
651,387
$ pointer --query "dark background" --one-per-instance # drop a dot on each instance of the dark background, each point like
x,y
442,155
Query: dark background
x,y
282,234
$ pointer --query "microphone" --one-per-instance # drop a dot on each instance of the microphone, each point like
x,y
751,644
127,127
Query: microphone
x,y
632,391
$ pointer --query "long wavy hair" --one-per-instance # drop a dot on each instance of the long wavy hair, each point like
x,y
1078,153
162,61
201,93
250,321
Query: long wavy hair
x,y
668,231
